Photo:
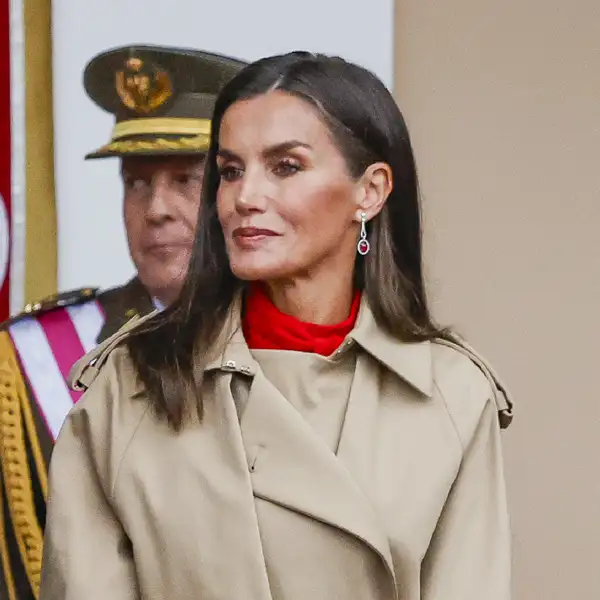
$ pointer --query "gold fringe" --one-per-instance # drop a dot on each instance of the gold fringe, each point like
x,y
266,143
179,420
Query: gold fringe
x,y
4,557
36,449
15,468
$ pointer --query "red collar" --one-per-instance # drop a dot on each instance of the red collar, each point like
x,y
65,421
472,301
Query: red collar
x,y
265,327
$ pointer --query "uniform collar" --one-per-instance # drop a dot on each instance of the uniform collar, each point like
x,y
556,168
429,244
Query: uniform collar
x,y
158,305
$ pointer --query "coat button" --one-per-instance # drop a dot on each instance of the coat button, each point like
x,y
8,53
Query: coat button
x,y
344,346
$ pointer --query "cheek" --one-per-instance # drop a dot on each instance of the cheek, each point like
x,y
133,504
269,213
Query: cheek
x,y
183,206
194,195
225,205
190,213
130,207
134,219
322,208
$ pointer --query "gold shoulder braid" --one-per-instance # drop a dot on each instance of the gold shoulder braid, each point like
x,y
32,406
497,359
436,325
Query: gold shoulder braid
x,y
15,468
4,557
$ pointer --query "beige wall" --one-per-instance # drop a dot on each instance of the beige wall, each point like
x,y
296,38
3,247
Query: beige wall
x,y
503,102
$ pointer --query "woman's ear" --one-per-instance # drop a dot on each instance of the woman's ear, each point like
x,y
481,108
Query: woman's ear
x,y
375,186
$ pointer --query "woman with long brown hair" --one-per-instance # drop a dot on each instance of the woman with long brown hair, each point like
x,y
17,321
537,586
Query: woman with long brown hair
x,y
295,426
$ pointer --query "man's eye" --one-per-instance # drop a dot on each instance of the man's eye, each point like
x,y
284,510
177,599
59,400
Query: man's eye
x,y
182,179
133,183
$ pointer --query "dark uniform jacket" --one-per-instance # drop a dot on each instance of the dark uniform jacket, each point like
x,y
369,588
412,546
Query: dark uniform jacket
x,y
37,349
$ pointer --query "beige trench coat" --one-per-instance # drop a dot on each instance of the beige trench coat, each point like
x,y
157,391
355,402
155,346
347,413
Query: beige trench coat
x,y
251,504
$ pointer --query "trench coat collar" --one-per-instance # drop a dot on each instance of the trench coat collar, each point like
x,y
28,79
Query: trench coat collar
x,y
410,361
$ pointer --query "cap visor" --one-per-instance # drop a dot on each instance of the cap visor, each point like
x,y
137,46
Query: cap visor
x,y
185,145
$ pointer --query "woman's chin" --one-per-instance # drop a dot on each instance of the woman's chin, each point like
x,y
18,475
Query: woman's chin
x,y
255,271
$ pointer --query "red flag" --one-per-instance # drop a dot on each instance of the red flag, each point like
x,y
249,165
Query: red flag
x,y
5,159
27,212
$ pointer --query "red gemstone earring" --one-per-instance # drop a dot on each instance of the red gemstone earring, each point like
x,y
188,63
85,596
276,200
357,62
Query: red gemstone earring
x,y
363,245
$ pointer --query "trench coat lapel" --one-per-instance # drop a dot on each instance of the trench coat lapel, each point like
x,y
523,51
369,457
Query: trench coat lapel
x,y
292,467
378,353
355,448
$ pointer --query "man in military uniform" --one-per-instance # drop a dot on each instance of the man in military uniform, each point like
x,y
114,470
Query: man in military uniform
x,y
162,99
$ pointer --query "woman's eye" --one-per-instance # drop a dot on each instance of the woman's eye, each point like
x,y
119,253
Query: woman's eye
x,y
286,168
229,173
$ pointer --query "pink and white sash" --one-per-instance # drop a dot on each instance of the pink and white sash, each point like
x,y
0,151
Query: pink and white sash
x,y
48,345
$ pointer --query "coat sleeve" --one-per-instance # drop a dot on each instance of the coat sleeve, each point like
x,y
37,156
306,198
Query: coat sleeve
x,y
86,551
469,557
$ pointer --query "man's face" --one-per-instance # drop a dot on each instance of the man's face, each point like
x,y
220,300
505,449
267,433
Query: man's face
x,y
161,201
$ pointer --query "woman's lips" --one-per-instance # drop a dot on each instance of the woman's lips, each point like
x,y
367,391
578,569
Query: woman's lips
x,y
251,237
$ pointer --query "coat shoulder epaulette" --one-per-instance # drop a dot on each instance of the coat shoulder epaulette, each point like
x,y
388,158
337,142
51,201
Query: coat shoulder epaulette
x,y
86,369
62,300
502,397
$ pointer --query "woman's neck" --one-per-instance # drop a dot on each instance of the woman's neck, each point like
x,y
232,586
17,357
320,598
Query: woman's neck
x,y
313,301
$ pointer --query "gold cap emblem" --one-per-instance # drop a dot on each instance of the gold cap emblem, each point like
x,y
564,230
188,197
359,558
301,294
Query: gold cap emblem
x,y
143,88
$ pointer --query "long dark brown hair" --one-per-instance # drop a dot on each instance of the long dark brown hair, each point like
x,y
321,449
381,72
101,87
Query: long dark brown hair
x,y
367,127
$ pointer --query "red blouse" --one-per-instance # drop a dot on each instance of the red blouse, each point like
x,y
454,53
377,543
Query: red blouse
x,y
265,327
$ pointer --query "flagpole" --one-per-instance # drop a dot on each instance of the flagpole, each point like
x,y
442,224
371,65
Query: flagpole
x,y
41,236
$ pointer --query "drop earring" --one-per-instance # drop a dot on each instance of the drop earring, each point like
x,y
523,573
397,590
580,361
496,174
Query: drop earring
x,y
363,245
